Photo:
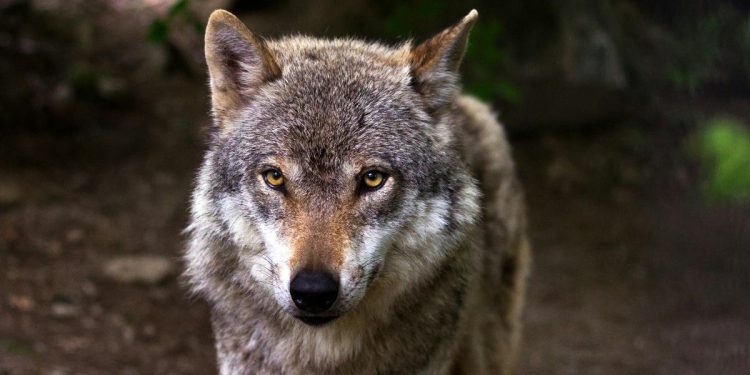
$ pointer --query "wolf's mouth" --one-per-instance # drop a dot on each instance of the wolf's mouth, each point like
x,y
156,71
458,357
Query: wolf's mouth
x,y
316,320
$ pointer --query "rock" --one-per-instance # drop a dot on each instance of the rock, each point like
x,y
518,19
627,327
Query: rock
x,y
65,310
146,269
21,302
128,334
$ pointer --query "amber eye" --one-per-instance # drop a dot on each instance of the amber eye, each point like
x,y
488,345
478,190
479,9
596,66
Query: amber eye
x,y
373,180
274,178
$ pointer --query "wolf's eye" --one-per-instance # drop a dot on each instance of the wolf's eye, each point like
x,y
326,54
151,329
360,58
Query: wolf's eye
x,y
274,178
373,180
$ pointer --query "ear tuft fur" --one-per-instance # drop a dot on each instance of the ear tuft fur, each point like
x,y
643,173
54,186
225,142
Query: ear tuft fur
x,y
436,61
238,64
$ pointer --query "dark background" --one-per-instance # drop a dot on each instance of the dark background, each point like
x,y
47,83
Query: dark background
x,y
629,125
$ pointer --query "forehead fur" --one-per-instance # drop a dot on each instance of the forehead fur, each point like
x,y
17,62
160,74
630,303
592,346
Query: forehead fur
x,y
294,50
338,100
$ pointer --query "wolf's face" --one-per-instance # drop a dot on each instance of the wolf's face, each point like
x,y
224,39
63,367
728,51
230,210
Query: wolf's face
x,y
328,169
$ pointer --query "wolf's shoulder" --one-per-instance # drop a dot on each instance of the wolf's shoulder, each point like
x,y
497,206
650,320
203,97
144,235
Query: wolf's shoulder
x,y
481,136
477,115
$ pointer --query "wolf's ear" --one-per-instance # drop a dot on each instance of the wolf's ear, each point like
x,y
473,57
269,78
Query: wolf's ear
x,y
435,62
238,64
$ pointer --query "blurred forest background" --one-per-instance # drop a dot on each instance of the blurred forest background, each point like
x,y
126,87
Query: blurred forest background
x,y
629,120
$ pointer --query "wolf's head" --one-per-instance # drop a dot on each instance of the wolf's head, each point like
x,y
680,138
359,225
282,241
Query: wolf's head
x,y
331,168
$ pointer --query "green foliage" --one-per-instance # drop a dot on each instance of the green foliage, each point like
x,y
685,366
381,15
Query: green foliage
x,y
158,31
486,59
179,6
723,147
695,55
711,48
404,16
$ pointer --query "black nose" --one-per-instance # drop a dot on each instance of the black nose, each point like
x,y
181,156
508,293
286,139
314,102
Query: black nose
x,y
314,291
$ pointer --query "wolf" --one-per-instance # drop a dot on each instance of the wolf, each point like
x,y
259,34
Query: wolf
x,y
354,213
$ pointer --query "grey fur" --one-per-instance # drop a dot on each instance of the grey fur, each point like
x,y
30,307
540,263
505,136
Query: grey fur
x,y
432,266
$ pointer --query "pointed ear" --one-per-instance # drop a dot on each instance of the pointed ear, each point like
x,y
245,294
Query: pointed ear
x,y
238,64
435,62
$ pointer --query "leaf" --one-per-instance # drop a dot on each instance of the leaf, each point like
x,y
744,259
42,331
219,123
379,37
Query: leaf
x,y
158,31
178,7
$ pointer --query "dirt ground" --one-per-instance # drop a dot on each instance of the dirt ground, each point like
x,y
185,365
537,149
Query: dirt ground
x,y
633,272
639,280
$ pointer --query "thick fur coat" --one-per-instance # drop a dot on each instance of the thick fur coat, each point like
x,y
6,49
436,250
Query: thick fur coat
x,y
430,263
